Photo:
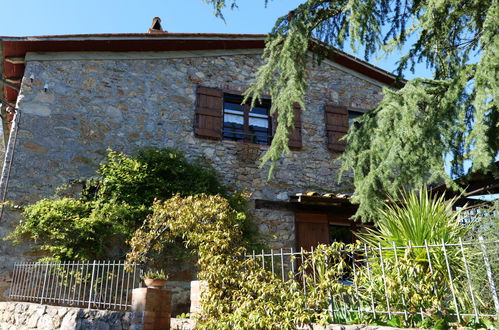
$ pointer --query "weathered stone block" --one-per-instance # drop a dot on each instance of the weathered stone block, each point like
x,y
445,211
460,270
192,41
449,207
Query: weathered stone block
x,y
35,147
197,289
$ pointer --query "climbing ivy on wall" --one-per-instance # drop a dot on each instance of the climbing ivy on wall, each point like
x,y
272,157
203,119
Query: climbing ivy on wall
x,y
113,205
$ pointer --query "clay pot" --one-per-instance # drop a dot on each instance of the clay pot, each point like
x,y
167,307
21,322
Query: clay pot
x,y
154,283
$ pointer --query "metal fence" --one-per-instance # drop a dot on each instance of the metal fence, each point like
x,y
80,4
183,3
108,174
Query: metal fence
x,y
97,284
465,277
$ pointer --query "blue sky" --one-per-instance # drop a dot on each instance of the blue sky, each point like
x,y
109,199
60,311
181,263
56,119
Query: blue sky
x,y
48,17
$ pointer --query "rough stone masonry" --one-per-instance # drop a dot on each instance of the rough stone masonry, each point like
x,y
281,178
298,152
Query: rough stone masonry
x,y
20,315
98,101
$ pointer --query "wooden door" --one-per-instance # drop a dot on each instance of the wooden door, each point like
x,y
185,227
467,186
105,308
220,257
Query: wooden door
x,y
312,229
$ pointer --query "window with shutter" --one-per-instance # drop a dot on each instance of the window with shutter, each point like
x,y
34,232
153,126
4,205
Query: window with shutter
x,y
244,123
222,115
353,115
336,126
209,113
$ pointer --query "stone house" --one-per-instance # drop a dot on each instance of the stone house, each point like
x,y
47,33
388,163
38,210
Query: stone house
x,y
77,95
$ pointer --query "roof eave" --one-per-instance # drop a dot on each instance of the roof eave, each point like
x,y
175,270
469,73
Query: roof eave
x,y
1,71
138,36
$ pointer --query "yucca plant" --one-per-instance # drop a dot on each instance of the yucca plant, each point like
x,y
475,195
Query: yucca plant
x,y
416,218
419,219
410,231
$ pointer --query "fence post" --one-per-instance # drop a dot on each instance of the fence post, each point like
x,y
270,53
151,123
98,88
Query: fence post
x,y
475,309
369,278
331,301
451,281
151,308
387,296
395,253
44,282
15,280
489,275
91,286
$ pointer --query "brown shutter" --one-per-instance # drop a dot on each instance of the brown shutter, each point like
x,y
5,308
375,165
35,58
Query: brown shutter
x,y
312,229
209,113
295,136
336,127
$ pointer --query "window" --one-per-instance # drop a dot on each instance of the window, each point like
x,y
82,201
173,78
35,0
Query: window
x,y
340,233
242,123
220,116
352,116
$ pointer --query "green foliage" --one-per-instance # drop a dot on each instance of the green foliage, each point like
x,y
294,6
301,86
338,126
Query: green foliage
x,y
155,274
211,226
484,223
62,227
395,155
416,218
112,206
242,294
154,173
218,5
128,186
404,283
405,141
422,220
202,221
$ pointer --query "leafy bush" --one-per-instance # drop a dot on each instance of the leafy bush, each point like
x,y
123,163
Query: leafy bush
x,y
420,220
112,206
214,228
62,227
242,294
208,223
155,274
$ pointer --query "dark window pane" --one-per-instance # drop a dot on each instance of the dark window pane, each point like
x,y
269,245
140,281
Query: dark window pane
x,y
339,233
258,129
233,106
259,110
352,116
233,131
259,123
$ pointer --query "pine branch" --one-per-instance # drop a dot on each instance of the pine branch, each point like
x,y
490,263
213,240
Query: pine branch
x,y
412,135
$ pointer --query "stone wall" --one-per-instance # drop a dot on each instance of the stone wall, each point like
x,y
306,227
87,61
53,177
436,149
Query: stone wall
x,y
21,315
95,102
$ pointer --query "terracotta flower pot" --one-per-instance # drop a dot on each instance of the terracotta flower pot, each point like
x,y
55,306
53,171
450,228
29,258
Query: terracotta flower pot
x,y
154,283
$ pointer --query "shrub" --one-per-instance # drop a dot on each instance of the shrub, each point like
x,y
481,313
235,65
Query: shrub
x,y
242,294
113,205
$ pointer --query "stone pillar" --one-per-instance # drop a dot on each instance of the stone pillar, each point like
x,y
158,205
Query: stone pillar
x,y
152,308
197,287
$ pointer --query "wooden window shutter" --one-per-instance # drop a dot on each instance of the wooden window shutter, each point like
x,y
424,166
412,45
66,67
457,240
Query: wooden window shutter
x,y
336,126
295,136
209,108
